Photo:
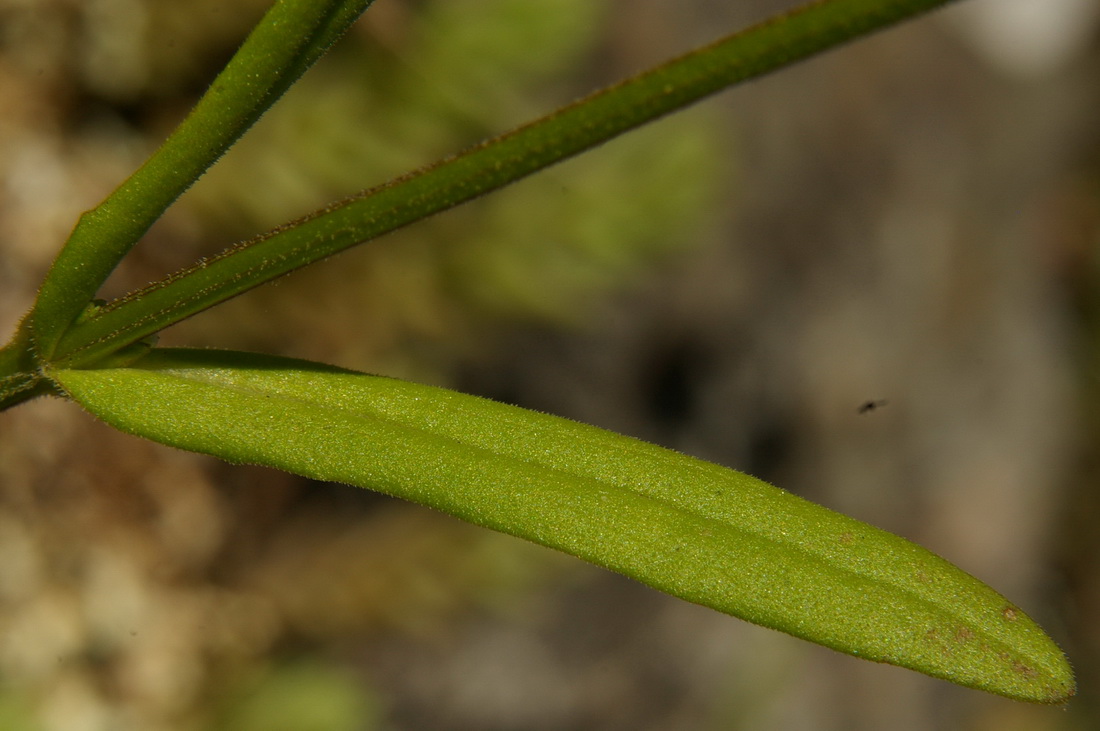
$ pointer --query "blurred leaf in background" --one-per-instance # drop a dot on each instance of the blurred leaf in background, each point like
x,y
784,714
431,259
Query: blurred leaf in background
x,y
430,83
301,696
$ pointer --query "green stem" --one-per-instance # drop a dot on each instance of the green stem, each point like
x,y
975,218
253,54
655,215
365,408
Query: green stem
x,y
771,45
20,378
292,35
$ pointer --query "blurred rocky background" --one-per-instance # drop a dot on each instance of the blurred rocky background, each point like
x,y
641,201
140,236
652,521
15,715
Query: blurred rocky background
x,y
912,222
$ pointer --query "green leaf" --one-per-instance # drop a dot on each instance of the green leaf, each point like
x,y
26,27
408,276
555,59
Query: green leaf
x,y
287,41
693,529
773,44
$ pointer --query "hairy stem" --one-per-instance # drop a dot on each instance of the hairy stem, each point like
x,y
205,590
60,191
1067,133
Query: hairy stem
x,y
292,35
773,44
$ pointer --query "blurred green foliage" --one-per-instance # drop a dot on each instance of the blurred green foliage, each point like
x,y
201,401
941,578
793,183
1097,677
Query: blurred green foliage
x,y
302,697
453,73
16,713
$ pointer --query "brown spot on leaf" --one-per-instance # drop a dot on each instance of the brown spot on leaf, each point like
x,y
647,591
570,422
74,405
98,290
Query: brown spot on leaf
x,y
1010,613
1020,669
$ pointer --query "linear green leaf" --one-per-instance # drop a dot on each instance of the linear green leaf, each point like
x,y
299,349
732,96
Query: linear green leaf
x,y
289,39
693,529
751,53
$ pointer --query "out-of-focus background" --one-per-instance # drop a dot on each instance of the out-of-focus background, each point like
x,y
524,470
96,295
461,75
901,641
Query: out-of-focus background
x,y
912,221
